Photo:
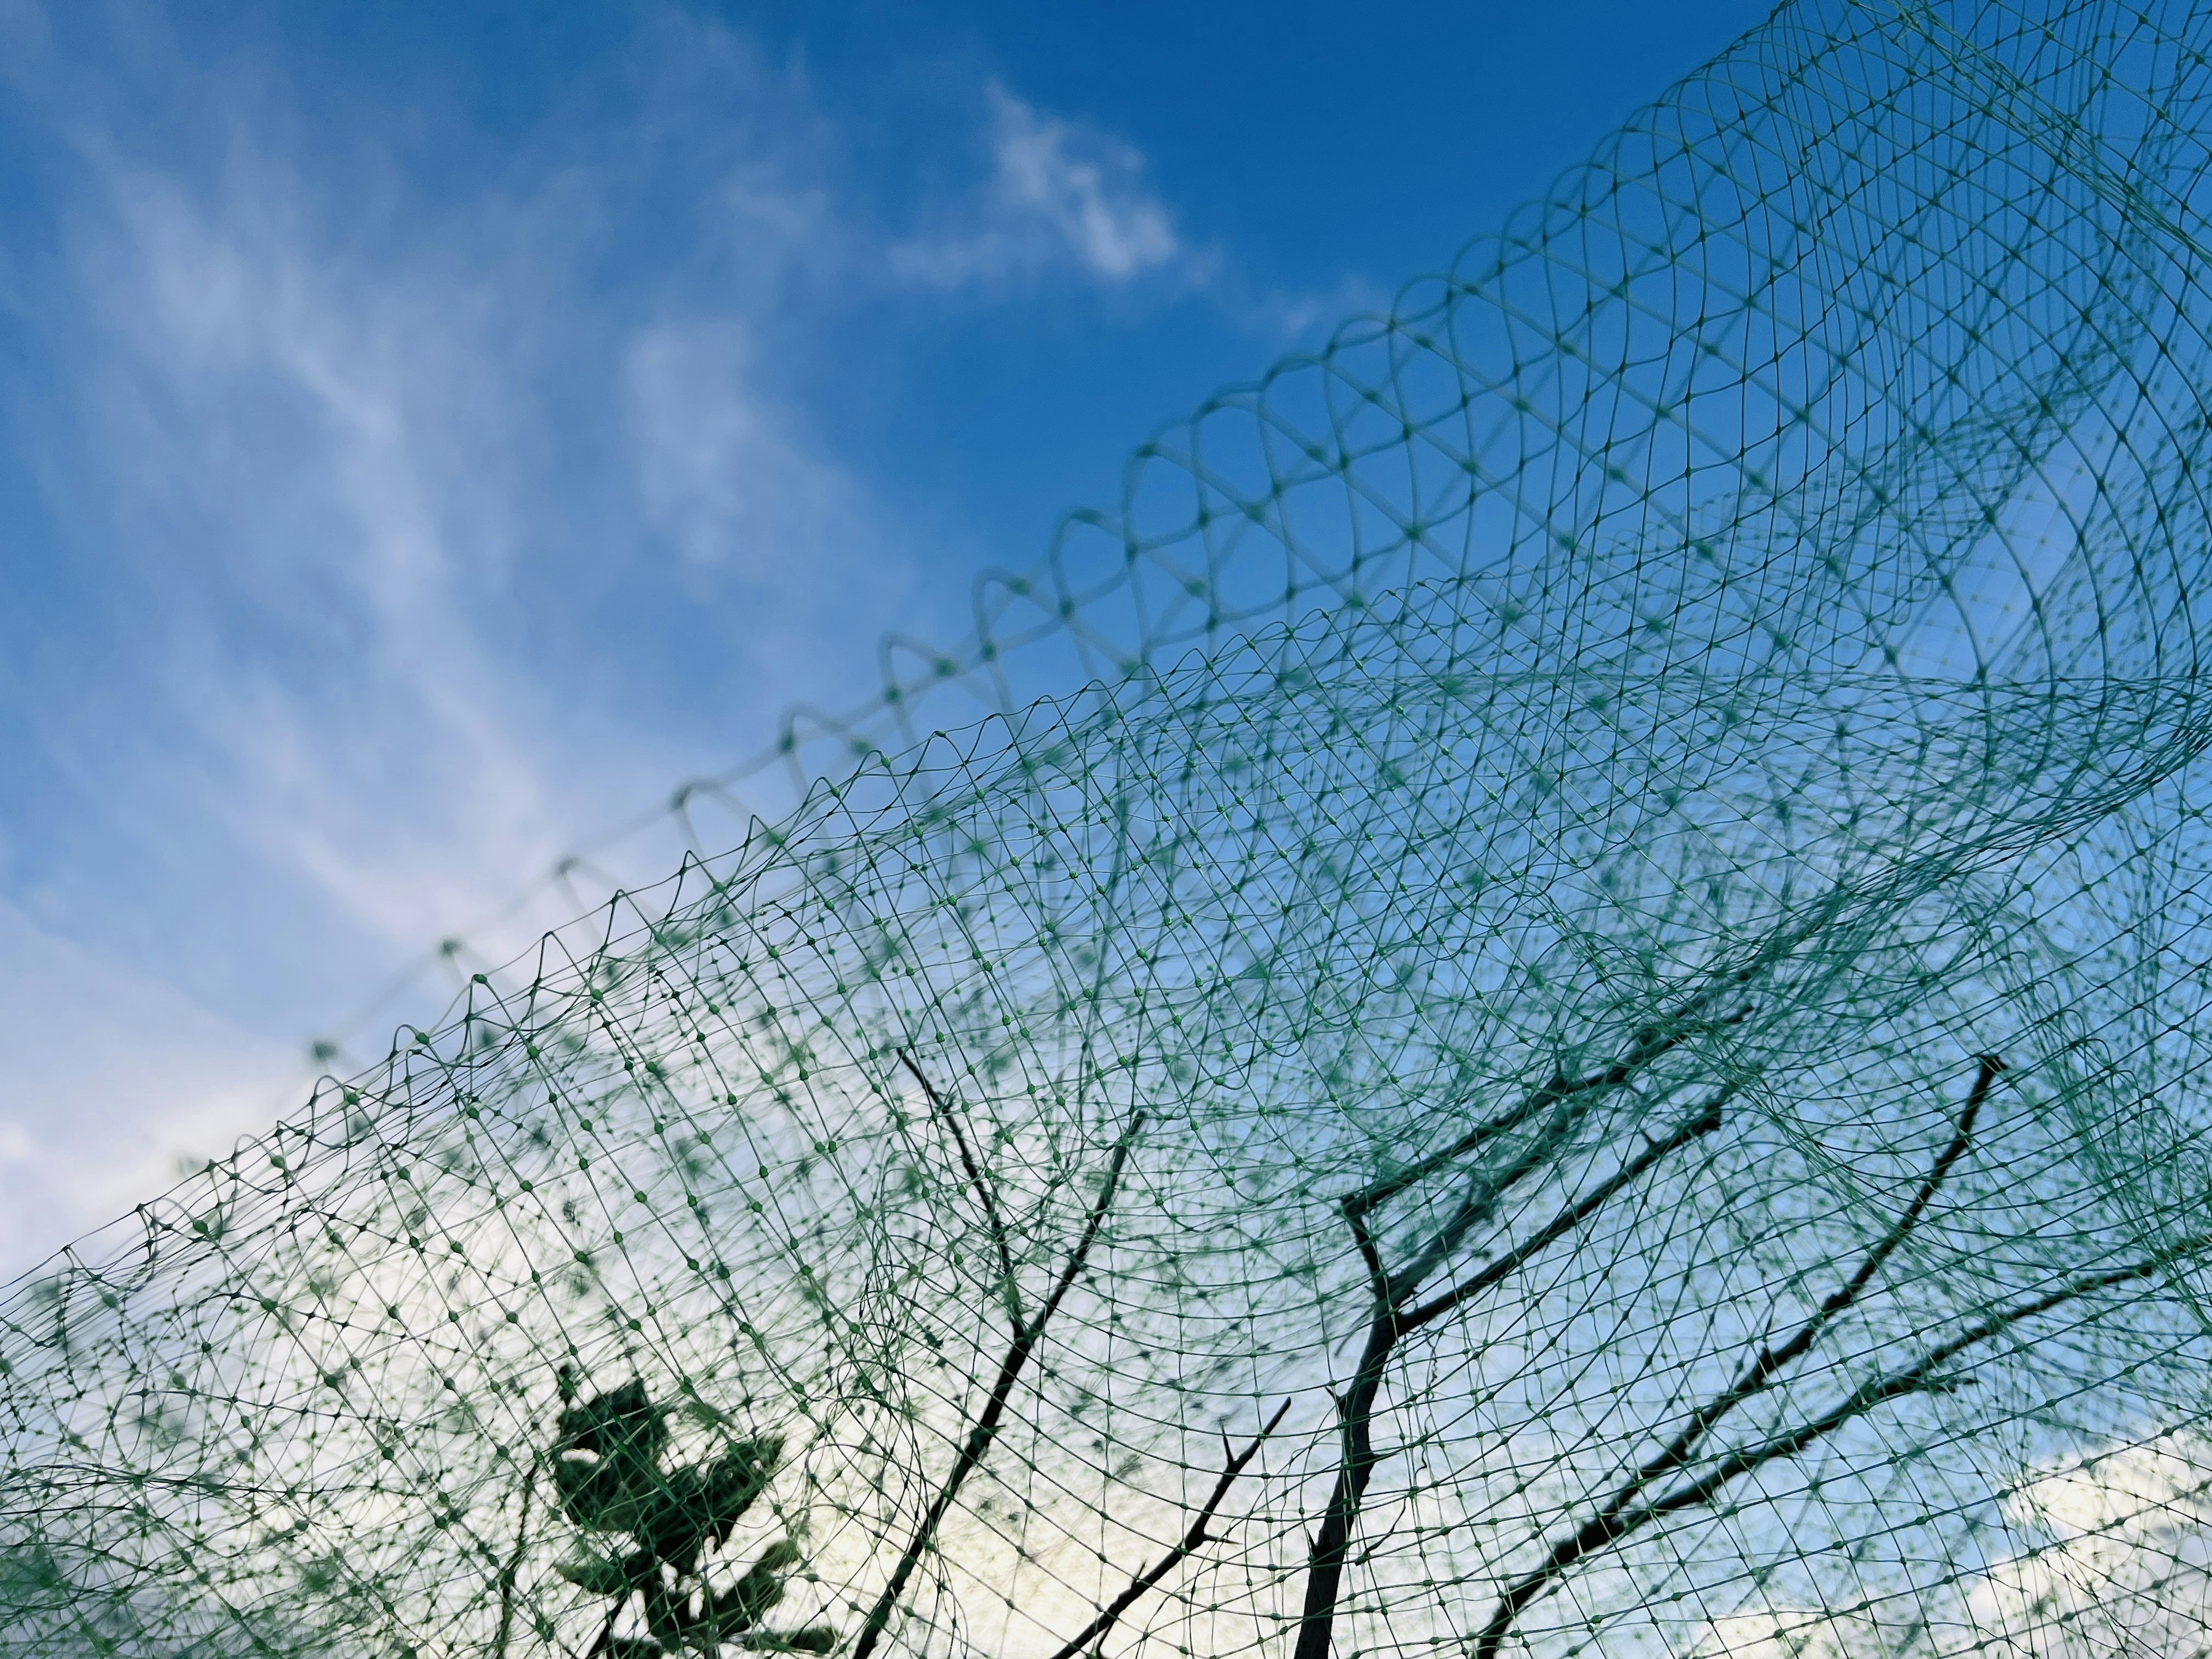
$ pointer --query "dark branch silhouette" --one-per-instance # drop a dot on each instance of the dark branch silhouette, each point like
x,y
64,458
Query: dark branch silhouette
x,y
1571,1217
513,1565
1561,1104
1026,1337
947,1116
1923,1376
1649,1043
1192,1540
1628,1510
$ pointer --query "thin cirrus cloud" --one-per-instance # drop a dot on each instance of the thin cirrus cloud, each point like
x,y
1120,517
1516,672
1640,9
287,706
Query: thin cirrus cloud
x,y
2110,1542
317,457
111,1083
313,733
1061,195
721,476
413,514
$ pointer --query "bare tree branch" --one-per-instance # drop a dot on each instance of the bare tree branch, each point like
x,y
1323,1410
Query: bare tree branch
x,y
1604,1530
947,1116
986,1430
1392,1320
1379,1280
1771,1361
1192,1540
1649,1043
1571,1217
508,1573
1615,1522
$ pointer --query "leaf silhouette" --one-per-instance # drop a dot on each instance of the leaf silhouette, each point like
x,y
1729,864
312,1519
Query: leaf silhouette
x,y
606,1460
746,1602
681,1514
599,1575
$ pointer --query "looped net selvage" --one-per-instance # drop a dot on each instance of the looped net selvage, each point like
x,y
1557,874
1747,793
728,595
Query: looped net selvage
x,y
1611,1065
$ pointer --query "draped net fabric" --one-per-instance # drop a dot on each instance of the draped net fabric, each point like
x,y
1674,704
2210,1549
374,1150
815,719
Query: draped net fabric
x,y
1590,1040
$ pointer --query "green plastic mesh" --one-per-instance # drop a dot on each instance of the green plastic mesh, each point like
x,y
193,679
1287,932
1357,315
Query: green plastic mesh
x,y
1594,1045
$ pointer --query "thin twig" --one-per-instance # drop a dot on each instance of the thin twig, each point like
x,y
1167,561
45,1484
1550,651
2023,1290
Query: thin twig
x,y
1649,1043
1480,1202
1618,1520
507,1574
1192,1540
1331,1545
1571,1102
1570,1217
951,1118
987,1425
1771,1361
1923,1377
1379,1280
1617,1514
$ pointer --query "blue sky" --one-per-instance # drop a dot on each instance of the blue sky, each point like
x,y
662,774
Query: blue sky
x,y
428,433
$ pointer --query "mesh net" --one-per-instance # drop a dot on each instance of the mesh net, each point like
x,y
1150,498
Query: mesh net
x,y
1609,1062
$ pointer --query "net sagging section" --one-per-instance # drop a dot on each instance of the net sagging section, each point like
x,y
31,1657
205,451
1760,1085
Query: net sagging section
x,y
1617,1069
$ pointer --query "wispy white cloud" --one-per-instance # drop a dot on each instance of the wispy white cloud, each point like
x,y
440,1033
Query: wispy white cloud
x,y
318,453
1059,195
452,503
2113,1556
110,1082
723,473
332,425
316,438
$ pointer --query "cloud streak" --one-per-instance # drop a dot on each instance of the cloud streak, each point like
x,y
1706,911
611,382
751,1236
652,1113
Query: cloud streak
x,y
1061,196
110,1083
428,505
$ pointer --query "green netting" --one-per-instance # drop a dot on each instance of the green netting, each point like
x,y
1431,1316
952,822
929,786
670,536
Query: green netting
x,y
1610,1063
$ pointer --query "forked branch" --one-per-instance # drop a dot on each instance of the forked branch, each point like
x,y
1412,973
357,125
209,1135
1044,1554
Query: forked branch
x,y
1630,1508
1924,1376
1650,1042
1570,1217
986,1430
944,1114
1192,1540
1772,1359
1393,1320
